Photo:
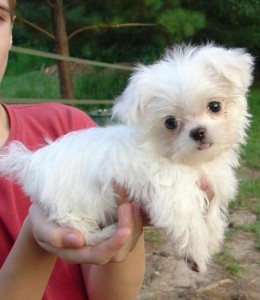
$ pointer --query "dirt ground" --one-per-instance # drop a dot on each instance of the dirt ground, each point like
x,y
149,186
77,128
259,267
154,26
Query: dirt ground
x,y
168,279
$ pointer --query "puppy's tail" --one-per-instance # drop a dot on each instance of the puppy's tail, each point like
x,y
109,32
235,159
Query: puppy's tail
x,y
13,161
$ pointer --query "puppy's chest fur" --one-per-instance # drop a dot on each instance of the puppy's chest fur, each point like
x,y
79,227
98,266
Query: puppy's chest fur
x,y
164,188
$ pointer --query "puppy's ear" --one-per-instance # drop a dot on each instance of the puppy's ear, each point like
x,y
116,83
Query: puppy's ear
x,y
235,65
129,106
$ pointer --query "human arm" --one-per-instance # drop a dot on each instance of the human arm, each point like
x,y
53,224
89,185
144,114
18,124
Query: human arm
x,y
121,280
27,268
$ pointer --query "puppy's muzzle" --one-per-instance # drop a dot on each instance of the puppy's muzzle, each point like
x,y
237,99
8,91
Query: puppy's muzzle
x,y
198,134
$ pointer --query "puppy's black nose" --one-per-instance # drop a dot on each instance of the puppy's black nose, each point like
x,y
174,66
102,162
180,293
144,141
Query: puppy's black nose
x,y
198,134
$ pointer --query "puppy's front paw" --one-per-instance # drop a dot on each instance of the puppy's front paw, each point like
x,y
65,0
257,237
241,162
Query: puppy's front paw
x,y
196,266
192,264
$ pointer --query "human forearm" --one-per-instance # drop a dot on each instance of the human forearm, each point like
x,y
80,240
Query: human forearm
x,y
117,281
27,269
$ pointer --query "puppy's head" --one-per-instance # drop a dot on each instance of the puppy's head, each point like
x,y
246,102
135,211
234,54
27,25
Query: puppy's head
x,y
191,105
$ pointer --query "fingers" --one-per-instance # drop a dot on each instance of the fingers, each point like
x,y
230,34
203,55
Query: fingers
x,y
110,250
117,248
121,194
138,220
206,187
103,253
122,197
68,243
52,234
130,218
126,223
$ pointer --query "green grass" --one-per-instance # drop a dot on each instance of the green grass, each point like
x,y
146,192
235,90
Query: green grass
x,y
255,228
20,64
251,155
229,234
249,185
152,235
101,85
248,197
228,261
34,84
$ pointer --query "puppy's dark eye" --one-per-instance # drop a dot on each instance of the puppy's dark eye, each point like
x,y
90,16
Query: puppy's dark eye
x,y
214,106
170,123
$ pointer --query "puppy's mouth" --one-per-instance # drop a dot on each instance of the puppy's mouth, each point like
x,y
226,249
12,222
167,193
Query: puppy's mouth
x,y
204,145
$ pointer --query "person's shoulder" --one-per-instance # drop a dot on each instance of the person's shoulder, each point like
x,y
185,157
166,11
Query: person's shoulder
x,y
48,109
56,113
62,110
73,116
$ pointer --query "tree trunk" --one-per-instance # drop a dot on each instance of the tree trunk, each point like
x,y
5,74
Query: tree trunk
x,y
62,47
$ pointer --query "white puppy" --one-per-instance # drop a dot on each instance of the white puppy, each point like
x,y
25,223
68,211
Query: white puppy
x,y
186,117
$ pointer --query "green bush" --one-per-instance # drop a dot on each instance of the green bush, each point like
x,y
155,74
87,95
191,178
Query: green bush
x,y
22,63
100,85
34,84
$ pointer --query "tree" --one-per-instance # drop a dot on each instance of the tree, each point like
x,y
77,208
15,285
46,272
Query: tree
x,y
59,36
62,47
174,23
105,30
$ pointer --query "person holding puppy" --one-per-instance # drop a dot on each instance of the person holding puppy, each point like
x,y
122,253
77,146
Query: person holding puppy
x,y
38,259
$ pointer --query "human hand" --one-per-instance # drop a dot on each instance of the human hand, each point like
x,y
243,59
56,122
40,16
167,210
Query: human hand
x,y
69,244
123,197
204,185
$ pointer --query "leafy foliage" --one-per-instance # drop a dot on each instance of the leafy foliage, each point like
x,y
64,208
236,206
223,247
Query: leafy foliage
x,y
235,23
161,23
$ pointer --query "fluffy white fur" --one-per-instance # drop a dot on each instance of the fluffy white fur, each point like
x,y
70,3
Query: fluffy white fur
x,y
72,178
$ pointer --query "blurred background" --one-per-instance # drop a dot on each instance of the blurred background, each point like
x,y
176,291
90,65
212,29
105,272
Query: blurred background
x,y
114,32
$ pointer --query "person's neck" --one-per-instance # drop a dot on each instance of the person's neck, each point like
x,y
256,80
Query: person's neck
x,y
4,126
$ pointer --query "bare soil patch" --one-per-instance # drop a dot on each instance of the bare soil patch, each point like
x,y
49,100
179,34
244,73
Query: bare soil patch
x,y
167,278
